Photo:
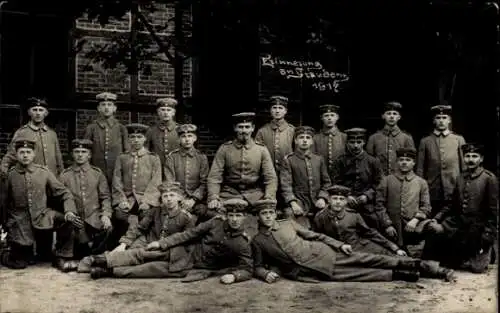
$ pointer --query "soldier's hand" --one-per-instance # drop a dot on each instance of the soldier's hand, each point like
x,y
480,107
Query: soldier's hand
x,y
214,204
272,277
435,227
391,232
143,207
347,249
296,208
352,202
187,204
74,219
320,203
106,222
411,225
124,205
362,199
227,279
401,252
120,248
155,245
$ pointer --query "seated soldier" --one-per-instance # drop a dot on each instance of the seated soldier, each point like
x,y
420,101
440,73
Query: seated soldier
x,y
220,247
286,248
343,223
129,260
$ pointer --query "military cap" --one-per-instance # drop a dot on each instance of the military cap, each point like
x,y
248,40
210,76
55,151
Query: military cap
x,y
304,130
186,128
24,143
235,205
137,128
392,106
339,190
355,133
166,102
81,143
171,187
36,102
279,100
263,204
244,117
328,108
441,109
106,96
472,147
406,152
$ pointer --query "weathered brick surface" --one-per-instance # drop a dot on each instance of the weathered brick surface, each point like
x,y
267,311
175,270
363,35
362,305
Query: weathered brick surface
x,y
114,25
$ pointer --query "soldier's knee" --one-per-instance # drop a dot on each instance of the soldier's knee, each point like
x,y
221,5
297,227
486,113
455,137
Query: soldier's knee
x,y
121,216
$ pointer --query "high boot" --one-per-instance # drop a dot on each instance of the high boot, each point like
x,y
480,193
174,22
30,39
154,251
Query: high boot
x,y
99,272
406,275
431,269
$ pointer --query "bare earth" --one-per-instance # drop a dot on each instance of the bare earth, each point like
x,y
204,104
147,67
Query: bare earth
x,y
43,289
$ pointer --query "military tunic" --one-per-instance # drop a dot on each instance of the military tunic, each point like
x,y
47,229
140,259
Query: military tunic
x,y
27,209
110,139
162,139
384,144
349,227
47,149
330,144
278,138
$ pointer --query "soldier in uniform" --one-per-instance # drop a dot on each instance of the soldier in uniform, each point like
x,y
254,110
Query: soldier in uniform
x,y
90,190
384,143
342,223
130,260
135,182
47,150
221,247
189,166
439,158
242,168
109,137
405,197
162,138
277,135
304,179
284,248
466,229
362,173
330,141
29,186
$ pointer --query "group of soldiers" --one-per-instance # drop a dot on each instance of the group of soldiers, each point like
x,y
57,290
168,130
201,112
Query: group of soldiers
x,y
142,201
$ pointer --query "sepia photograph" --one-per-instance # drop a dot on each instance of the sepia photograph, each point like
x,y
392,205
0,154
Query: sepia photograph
x,y
183,156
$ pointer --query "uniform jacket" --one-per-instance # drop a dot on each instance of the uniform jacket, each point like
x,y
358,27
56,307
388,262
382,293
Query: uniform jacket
x,y
190,169
217,247
384,144
349,227
247,169
159,223
110,139
330,144
288,241
47,149
27,190
304,177
162,139
440,161
278,138
136,178
90,189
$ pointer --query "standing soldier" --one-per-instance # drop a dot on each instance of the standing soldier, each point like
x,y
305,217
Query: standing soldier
x,y
135,182
439,159
277,135
304,179
108,135
90,190
330,141
189,166
29,186
384,143
362,173
466,228
47,150
242,168
162,138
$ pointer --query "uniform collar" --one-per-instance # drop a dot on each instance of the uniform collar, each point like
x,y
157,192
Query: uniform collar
x,y
474,174
22,169
443,133
169,213
330,131
303,154
141,152
247,146
407,177
393,131
189,152
37,128
84,168
233,232
103,122
280,125
170,126
340,215
358,156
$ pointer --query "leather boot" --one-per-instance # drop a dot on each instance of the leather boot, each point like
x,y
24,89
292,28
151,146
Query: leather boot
x,y
13,259
406,275
99,272
65,265
99,260
409,264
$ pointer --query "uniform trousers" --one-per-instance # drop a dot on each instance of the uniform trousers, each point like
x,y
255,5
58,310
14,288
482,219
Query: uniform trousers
x,y
122,221
90,240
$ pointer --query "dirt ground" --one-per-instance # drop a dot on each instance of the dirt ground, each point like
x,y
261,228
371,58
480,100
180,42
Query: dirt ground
x,y
43,289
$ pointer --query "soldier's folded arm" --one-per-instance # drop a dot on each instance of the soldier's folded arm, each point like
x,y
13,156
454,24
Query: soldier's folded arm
x,y
424,207
214,179
269,174
245,267
187,235
286,181
60,191
260,270
310,235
